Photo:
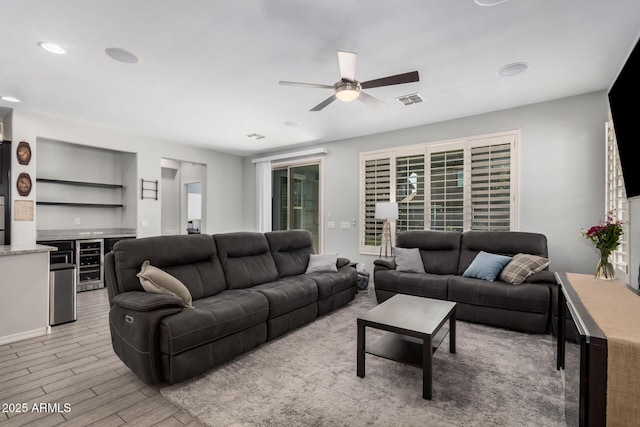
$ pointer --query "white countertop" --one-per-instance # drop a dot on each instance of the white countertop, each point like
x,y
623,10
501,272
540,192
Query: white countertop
x,y
24,249
79,234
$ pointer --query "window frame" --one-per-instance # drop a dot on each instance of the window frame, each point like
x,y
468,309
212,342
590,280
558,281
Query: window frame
x,y
512,137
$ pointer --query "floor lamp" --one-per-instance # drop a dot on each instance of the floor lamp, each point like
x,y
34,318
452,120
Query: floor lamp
x,y
387,211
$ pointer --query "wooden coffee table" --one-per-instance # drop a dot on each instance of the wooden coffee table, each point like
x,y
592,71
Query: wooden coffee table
x,y
414,326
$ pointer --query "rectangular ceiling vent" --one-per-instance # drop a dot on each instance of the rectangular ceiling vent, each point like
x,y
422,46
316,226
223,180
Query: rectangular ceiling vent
x,y
414,98
255,136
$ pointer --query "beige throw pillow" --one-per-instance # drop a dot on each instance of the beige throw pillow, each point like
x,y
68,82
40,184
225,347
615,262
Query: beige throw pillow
x,y
521,267
322,263
157,281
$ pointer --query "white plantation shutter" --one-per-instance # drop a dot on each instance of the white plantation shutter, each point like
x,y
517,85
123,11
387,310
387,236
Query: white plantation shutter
x,y
459,185
447,190
490,187
410,192
616,200
376,188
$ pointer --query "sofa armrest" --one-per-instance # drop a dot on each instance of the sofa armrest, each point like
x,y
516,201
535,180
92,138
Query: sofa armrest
x,y
342,262
145,301
385,264
544,276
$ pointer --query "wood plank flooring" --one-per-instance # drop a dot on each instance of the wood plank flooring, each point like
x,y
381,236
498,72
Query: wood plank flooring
x,y
75,365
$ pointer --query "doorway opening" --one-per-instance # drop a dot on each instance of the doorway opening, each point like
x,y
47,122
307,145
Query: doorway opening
x,y
183,197
296,199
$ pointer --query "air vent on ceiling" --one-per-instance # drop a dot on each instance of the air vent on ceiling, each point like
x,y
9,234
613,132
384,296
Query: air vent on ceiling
x,y
410,99
255,136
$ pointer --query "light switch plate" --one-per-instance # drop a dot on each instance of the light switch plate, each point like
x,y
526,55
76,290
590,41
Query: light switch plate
x,y
345,224
331,224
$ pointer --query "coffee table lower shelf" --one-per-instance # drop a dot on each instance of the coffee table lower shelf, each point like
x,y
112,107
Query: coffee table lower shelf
x,y
403,348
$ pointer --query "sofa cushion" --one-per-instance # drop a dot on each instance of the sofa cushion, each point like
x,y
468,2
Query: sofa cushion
x,y
246,259
507,243
190,258
332,283
521,267
526,297
419,284
156,281
439,249
288,294
326,263
408,260
486,266
211,319
290,250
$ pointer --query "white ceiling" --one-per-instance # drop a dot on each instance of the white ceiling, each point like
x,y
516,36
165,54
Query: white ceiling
x,y
209,69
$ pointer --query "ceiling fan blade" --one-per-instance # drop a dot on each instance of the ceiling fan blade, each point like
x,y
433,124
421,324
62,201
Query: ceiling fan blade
x,y
324,103
371,101
392,80
305,84
347,61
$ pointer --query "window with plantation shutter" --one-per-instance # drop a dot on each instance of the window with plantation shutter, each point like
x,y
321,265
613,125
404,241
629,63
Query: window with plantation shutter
x,y
410,192
447,190
459,185
616,201
377,188
490,187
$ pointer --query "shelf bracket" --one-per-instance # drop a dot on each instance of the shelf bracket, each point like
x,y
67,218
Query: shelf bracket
x,y
148,189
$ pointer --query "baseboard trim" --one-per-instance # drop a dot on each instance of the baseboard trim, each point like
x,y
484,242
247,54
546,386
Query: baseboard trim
x,y
8,339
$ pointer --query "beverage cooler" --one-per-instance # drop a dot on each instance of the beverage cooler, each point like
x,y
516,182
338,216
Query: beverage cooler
x,y
89,263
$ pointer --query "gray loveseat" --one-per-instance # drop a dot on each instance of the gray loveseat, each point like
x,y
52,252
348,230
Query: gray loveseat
x,y
447,254
247,288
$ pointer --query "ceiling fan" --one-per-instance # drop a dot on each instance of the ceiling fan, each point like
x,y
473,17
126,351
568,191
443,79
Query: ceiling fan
x,y
348,88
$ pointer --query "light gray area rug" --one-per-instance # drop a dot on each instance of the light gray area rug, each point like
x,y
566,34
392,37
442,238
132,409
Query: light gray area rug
x,y
308,378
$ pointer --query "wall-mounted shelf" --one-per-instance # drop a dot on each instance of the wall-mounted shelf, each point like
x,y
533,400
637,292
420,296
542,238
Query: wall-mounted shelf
x,y
79,183
148,189
84,205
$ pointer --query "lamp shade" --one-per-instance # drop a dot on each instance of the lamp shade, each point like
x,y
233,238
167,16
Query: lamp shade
x,y
386,210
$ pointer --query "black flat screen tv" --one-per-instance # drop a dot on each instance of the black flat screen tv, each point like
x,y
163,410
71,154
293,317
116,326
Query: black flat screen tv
x,y
624,101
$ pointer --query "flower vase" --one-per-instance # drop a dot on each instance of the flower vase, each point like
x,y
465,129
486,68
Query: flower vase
x,y
604,269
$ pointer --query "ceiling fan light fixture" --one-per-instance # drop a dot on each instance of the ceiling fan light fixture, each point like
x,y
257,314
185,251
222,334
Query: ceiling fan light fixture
x,y
347,91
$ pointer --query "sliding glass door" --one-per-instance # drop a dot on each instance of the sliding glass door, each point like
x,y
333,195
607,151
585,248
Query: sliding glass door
x,y
296,199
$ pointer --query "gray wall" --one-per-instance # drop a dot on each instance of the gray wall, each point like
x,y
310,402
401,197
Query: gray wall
x,y
73,162
561,174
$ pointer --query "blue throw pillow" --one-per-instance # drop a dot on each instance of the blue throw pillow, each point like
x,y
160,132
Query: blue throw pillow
x,y
486,266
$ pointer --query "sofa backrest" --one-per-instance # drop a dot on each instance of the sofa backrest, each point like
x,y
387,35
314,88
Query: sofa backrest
x,y
246,259
439,249
507,243
290,250
191,258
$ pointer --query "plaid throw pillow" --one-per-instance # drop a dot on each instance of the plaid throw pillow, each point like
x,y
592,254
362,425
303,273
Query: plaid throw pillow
x,y
521,267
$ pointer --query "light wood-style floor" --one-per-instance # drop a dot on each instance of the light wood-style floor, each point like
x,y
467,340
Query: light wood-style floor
x,y
76,365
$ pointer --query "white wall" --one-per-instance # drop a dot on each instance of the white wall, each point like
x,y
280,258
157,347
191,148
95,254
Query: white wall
x,y
170,200
561,174
222,169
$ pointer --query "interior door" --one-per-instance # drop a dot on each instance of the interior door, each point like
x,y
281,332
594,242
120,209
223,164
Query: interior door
x,y
296,199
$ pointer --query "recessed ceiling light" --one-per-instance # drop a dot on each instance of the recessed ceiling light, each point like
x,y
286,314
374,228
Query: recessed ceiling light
x,y
512,69
489,2
122,55
10,99
52,48
292,124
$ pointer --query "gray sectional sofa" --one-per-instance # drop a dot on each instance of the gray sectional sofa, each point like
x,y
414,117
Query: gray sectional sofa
x,y
247,288
447,254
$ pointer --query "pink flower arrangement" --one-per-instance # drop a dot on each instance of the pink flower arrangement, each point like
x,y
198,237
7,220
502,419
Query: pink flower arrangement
x,y
607,234
606,238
